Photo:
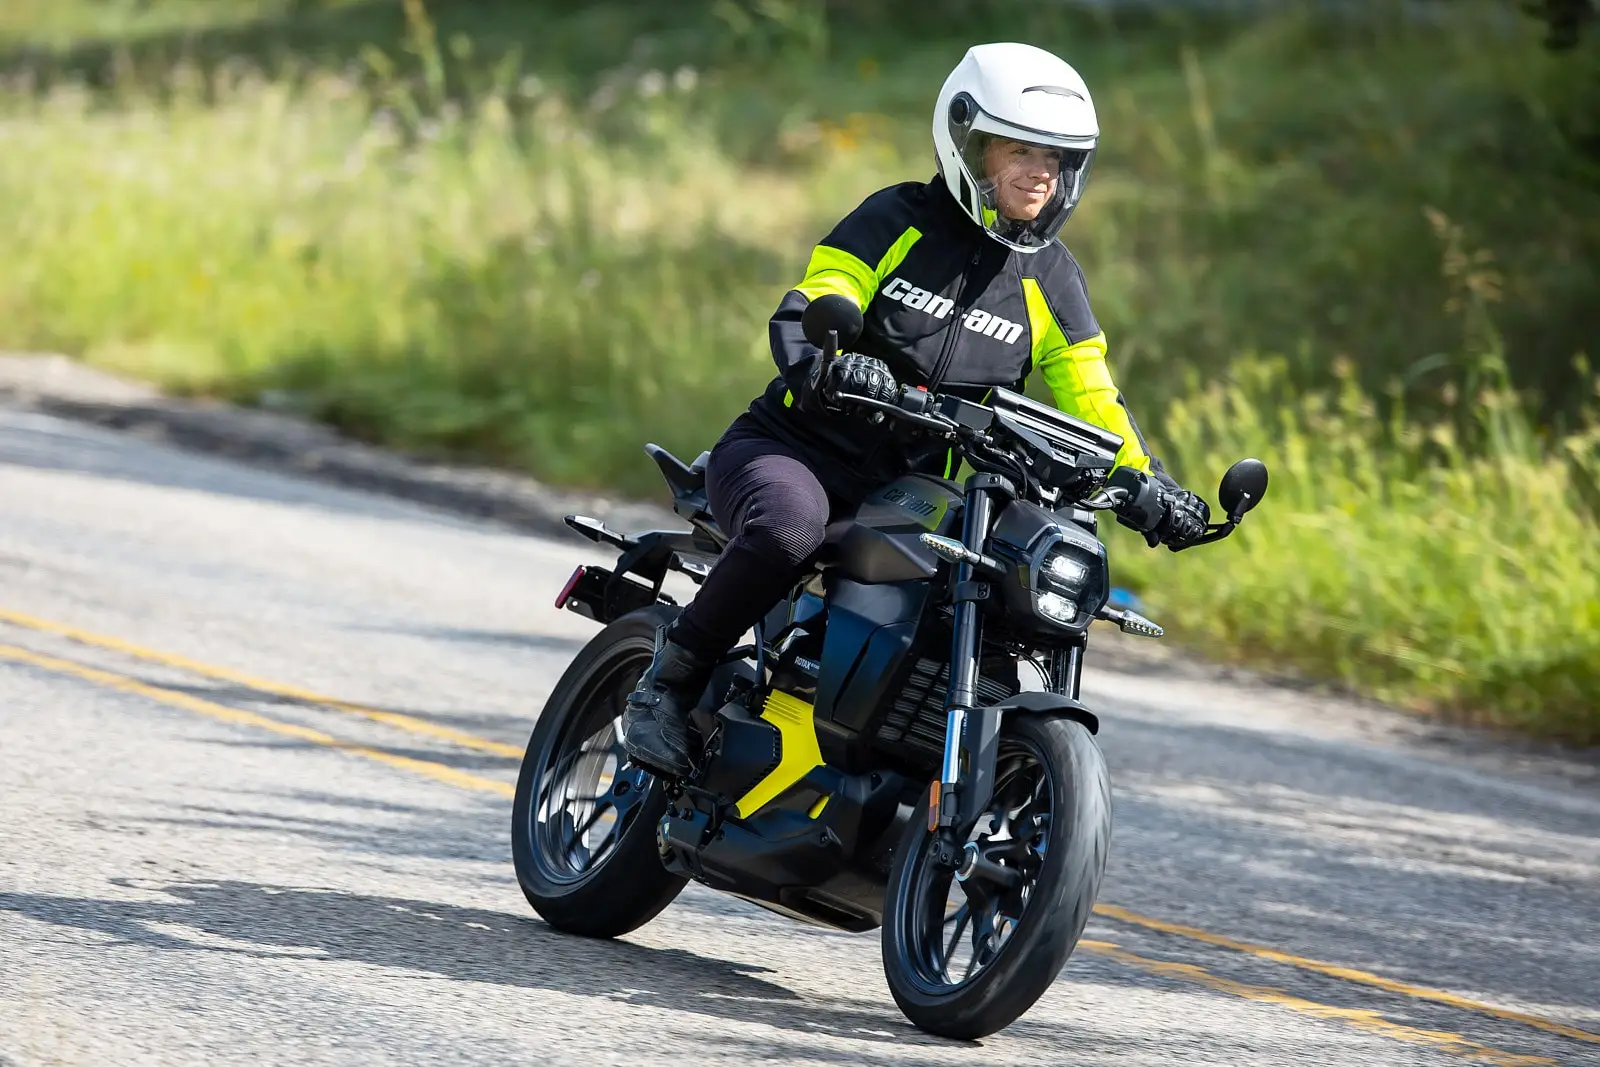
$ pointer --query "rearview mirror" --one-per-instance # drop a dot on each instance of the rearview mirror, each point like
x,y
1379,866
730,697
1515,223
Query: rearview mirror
x,y
1242,487
831,312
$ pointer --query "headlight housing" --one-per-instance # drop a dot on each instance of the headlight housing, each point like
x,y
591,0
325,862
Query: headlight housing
x,y
1064,584
1058,578
1056,608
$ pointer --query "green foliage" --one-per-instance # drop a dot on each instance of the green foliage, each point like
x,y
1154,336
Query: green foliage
x,y
1390,559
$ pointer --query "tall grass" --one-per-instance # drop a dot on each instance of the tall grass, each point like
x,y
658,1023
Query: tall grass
x,y
449,251
459,280
1391,556
1390,559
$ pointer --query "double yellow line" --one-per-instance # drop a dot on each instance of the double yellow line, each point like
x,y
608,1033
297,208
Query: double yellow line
x,y
1362,1019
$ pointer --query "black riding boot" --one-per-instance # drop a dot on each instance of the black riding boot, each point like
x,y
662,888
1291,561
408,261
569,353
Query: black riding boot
x,y
655,723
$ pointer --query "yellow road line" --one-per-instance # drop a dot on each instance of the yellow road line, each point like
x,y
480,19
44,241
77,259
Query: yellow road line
x,y
1348,974
1359,1018
409,723
422,726
437,771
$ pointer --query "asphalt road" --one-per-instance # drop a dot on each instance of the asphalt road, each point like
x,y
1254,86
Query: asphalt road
x,y
256,740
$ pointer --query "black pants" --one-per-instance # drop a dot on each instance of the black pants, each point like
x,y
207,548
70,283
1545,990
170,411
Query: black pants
x,y
769,499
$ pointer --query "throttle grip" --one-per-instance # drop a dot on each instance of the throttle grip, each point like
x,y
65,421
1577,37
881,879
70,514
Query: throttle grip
x,y
1145,505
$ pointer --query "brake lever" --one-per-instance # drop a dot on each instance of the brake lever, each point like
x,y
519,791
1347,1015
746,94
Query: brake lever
x,y
1214,532
944,427
1107,499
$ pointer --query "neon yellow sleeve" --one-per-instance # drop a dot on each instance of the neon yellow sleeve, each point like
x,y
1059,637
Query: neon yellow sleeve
x,y
1079,378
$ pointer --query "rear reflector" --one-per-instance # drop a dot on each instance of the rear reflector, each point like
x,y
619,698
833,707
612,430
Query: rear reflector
x,y
566,590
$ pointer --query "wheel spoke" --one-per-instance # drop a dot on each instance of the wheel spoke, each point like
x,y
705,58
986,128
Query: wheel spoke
x,y
983,935
629,798
1008,835
588,793
588,823
961,916
600,847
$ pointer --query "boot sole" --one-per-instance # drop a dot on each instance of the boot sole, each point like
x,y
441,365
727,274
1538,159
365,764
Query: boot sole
x,y
655,765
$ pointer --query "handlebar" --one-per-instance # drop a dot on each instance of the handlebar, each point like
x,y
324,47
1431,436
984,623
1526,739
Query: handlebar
x,y
917,408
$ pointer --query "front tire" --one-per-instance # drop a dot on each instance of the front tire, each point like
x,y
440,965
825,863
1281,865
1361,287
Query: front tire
x,y
1050,822
588,863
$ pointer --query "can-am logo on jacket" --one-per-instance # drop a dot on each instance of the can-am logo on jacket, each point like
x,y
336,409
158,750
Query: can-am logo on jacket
x,y
1003,330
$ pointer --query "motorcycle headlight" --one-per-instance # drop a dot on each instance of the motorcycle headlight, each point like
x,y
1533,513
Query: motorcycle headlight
x,y
1057,608
1065,573
1064,586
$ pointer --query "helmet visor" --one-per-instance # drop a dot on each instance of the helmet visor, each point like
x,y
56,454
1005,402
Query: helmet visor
x,y
1024,187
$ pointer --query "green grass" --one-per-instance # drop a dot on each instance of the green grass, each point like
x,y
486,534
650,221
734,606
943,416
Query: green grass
x,y
1420,573
542,236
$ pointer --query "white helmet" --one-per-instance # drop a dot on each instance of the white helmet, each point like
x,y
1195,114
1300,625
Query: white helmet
x,y
1014,92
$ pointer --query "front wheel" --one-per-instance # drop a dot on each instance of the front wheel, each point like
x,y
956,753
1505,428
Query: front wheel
x,y
583,821
967,952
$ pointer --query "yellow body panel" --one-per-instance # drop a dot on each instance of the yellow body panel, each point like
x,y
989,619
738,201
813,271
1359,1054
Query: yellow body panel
x,y
799,755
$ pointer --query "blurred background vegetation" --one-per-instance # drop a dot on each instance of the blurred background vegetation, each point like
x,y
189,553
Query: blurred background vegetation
x,y
1360,240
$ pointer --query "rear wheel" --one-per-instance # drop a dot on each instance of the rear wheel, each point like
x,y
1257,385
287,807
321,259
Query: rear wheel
x,y
966,952
583,822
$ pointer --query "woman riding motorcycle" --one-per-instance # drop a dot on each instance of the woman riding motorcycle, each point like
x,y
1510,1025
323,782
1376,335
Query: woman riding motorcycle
x,y
964,288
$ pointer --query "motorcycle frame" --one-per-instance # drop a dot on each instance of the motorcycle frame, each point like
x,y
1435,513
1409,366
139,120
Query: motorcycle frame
x,y
965,783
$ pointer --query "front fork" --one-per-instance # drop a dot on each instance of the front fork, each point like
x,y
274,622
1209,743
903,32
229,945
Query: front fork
x,y
972,734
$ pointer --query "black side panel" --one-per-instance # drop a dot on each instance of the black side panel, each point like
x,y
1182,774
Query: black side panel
x,y
870,632
881,541
829,866
866,554
745,750
791,611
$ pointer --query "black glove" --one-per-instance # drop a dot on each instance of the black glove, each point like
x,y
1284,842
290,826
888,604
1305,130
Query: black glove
x,y
866,376
1158,508
1185,519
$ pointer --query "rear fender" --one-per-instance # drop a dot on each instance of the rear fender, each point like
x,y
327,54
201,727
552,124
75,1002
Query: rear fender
x,y
597,593
606,594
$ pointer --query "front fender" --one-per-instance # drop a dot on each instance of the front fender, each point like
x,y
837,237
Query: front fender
x,y
983,742
1054,703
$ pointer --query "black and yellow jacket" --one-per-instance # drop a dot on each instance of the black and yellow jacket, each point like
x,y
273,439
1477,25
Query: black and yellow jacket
x,y
947,308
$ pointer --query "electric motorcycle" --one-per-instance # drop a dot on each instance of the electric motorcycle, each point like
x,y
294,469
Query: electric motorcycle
x,y
870,760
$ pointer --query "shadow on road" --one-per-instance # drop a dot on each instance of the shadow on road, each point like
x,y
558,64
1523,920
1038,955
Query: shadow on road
x,y
457,943
505,638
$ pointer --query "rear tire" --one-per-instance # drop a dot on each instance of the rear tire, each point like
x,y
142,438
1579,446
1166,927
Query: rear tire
x,y
1016,964
578,884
